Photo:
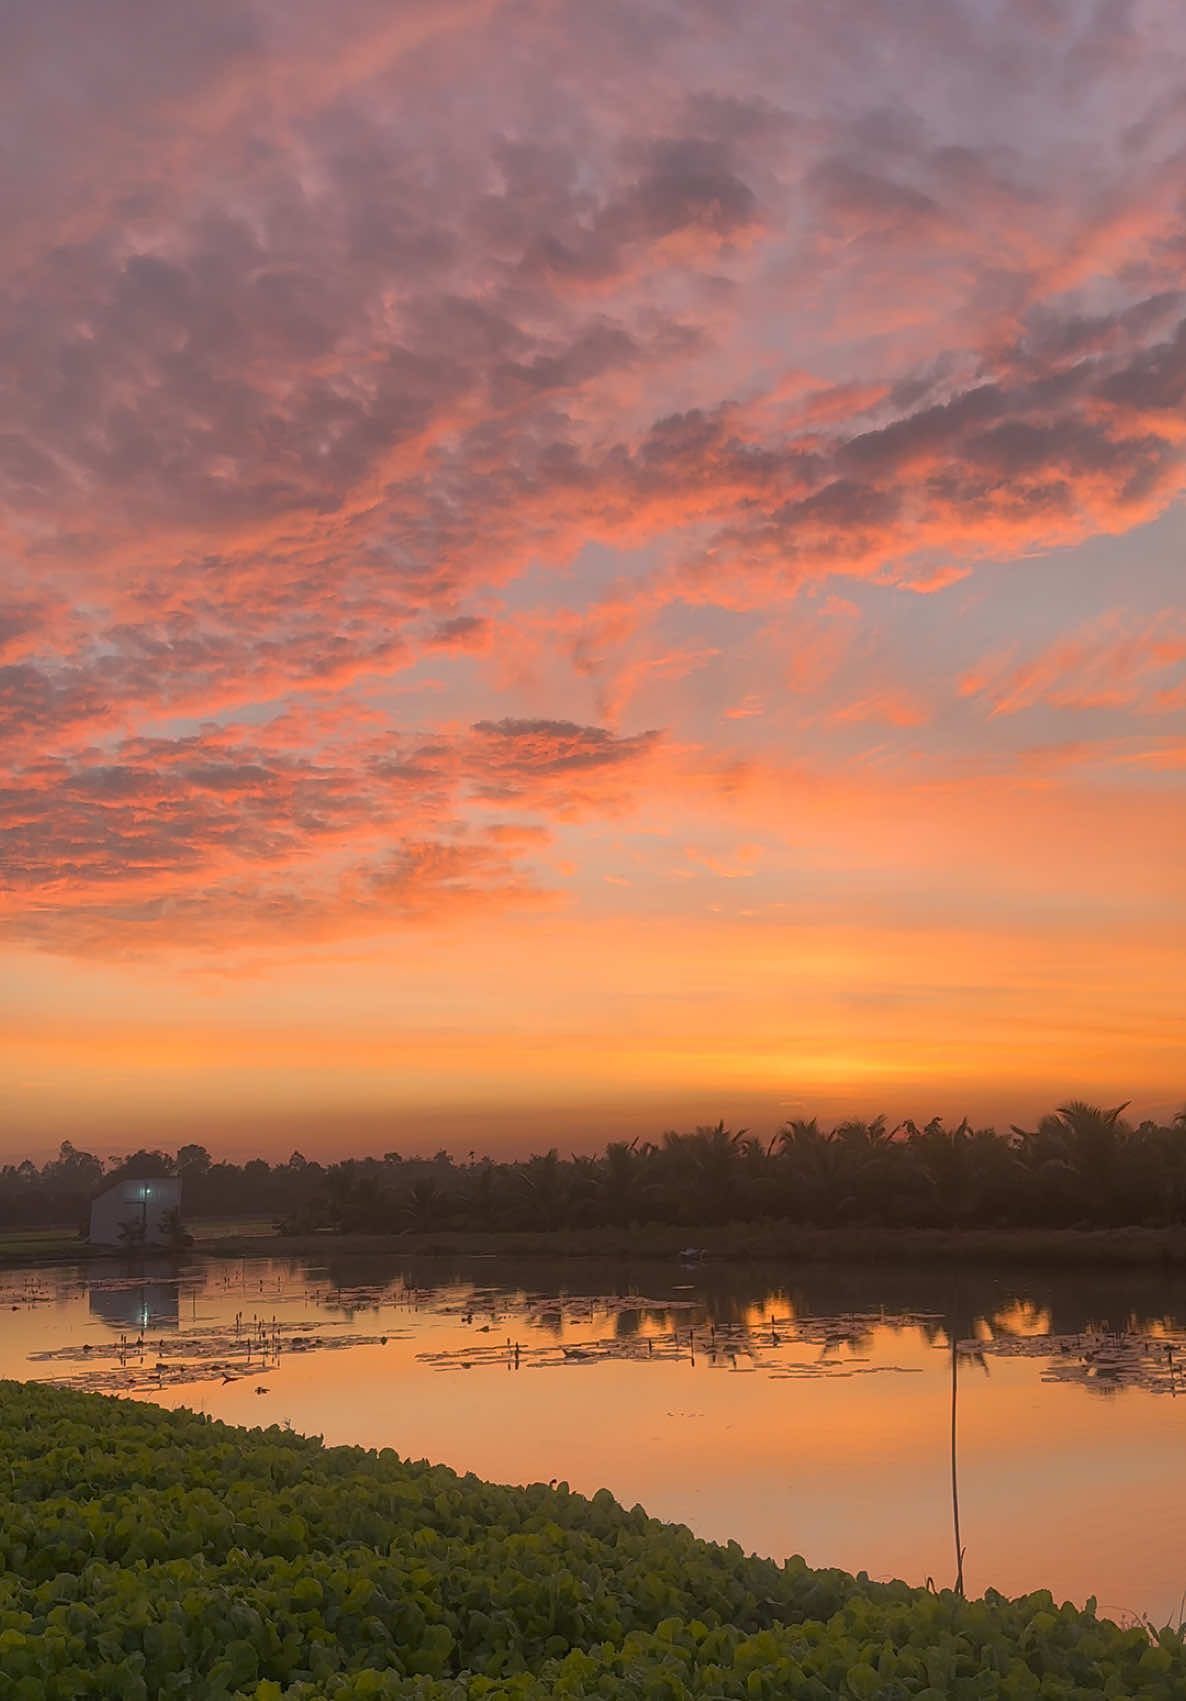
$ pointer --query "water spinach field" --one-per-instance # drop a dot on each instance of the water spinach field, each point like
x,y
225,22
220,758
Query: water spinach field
x,y
147,1553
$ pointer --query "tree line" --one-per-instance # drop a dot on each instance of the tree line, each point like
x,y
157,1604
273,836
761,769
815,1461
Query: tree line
x,y
1081,1165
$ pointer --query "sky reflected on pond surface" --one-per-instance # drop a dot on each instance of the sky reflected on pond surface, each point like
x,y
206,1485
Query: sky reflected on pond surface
x,y
797,1410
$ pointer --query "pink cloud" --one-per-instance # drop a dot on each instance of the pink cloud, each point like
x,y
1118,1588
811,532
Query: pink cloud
x,y
749,707
121,848
397,316
1112,663
925,584
741,864
895,708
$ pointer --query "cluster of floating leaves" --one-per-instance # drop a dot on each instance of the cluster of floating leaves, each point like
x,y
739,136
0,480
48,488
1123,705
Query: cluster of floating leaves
x,y
546,1331
226,1353
158,1356
1101,1361
735,1347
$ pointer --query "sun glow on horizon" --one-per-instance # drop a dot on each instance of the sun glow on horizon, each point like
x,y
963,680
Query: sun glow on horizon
x,y
575,565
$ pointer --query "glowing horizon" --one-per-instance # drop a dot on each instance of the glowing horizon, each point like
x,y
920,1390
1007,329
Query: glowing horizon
x,y
580,569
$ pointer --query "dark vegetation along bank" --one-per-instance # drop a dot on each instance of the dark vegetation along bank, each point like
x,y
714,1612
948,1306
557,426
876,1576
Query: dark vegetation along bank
x,y
1081,1167
147,1554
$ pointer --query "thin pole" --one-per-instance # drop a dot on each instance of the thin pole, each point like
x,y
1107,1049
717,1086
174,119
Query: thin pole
x,y
955,1487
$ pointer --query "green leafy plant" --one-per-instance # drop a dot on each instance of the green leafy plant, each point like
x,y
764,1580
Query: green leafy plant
x,y
148,1554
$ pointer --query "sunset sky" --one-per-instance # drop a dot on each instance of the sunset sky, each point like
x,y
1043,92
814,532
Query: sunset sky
x,y
574,568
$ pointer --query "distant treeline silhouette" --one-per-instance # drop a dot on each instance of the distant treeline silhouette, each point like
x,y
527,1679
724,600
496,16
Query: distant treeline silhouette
x,y
1081,1165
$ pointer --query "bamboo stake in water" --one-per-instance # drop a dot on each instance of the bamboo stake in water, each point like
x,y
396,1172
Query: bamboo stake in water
x,y
955,1490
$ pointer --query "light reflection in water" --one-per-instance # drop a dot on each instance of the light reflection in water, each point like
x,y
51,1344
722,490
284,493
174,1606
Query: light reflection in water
x,y
794,1411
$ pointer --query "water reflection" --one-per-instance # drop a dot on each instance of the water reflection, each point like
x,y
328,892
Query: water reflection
x,y
870,1418
137,1303
1011,1300
825,1322
1101,1333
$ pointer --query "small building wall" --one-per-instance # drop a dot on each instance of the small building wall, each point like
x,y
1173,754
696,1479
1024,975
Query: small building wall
x,y
147,1200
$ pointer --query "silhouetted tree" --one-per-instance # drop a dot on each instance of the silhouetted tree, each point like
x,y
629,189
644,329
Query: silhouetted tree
x,y
1080,1164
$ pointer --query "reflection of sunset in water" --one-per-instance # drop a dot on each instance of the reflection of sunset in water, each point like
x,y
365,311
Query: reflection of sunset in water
x,y
804,1414
1021,1318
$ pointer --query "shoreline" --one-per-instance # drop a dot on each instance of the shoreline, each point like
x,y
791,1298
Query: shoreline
x,y
747,1243
1116,1248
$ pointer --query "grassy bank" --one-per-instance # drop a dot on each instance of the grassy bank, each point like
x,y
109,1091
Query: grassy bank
x,y
64,1245
43,1246
768,1242
736,1242
146,1554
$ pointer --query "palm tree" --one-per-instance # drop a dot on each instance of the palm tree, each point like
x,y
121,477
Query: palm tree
x,y
868,1152
623,1184
758,1199
1096,1133
864,1136
716,1157
425,1204
1156,1171
814,1162
942,1159
583,1188
546,1187
1089,1140
698,1174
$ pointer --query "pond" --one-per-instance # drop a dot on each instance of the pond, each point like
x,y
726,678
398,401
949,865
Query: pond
x,y
794,1410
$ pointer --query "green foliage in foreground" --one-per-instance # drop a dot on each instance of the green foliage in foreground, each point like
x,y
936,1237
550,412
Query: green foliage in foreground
x,y
147,1554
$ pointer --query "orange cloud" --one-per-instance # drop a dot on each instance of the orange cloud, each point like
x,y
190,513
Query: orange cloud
x,y
1113,662
166,839
897,708
547,368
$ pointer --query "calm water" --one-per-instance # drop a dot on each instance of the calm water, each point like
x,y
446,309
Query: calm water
x,y
804,1410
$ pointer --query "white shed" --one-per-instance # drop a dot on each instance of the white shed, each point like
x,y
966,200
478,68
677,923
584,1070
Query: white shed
x,y
145,1211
